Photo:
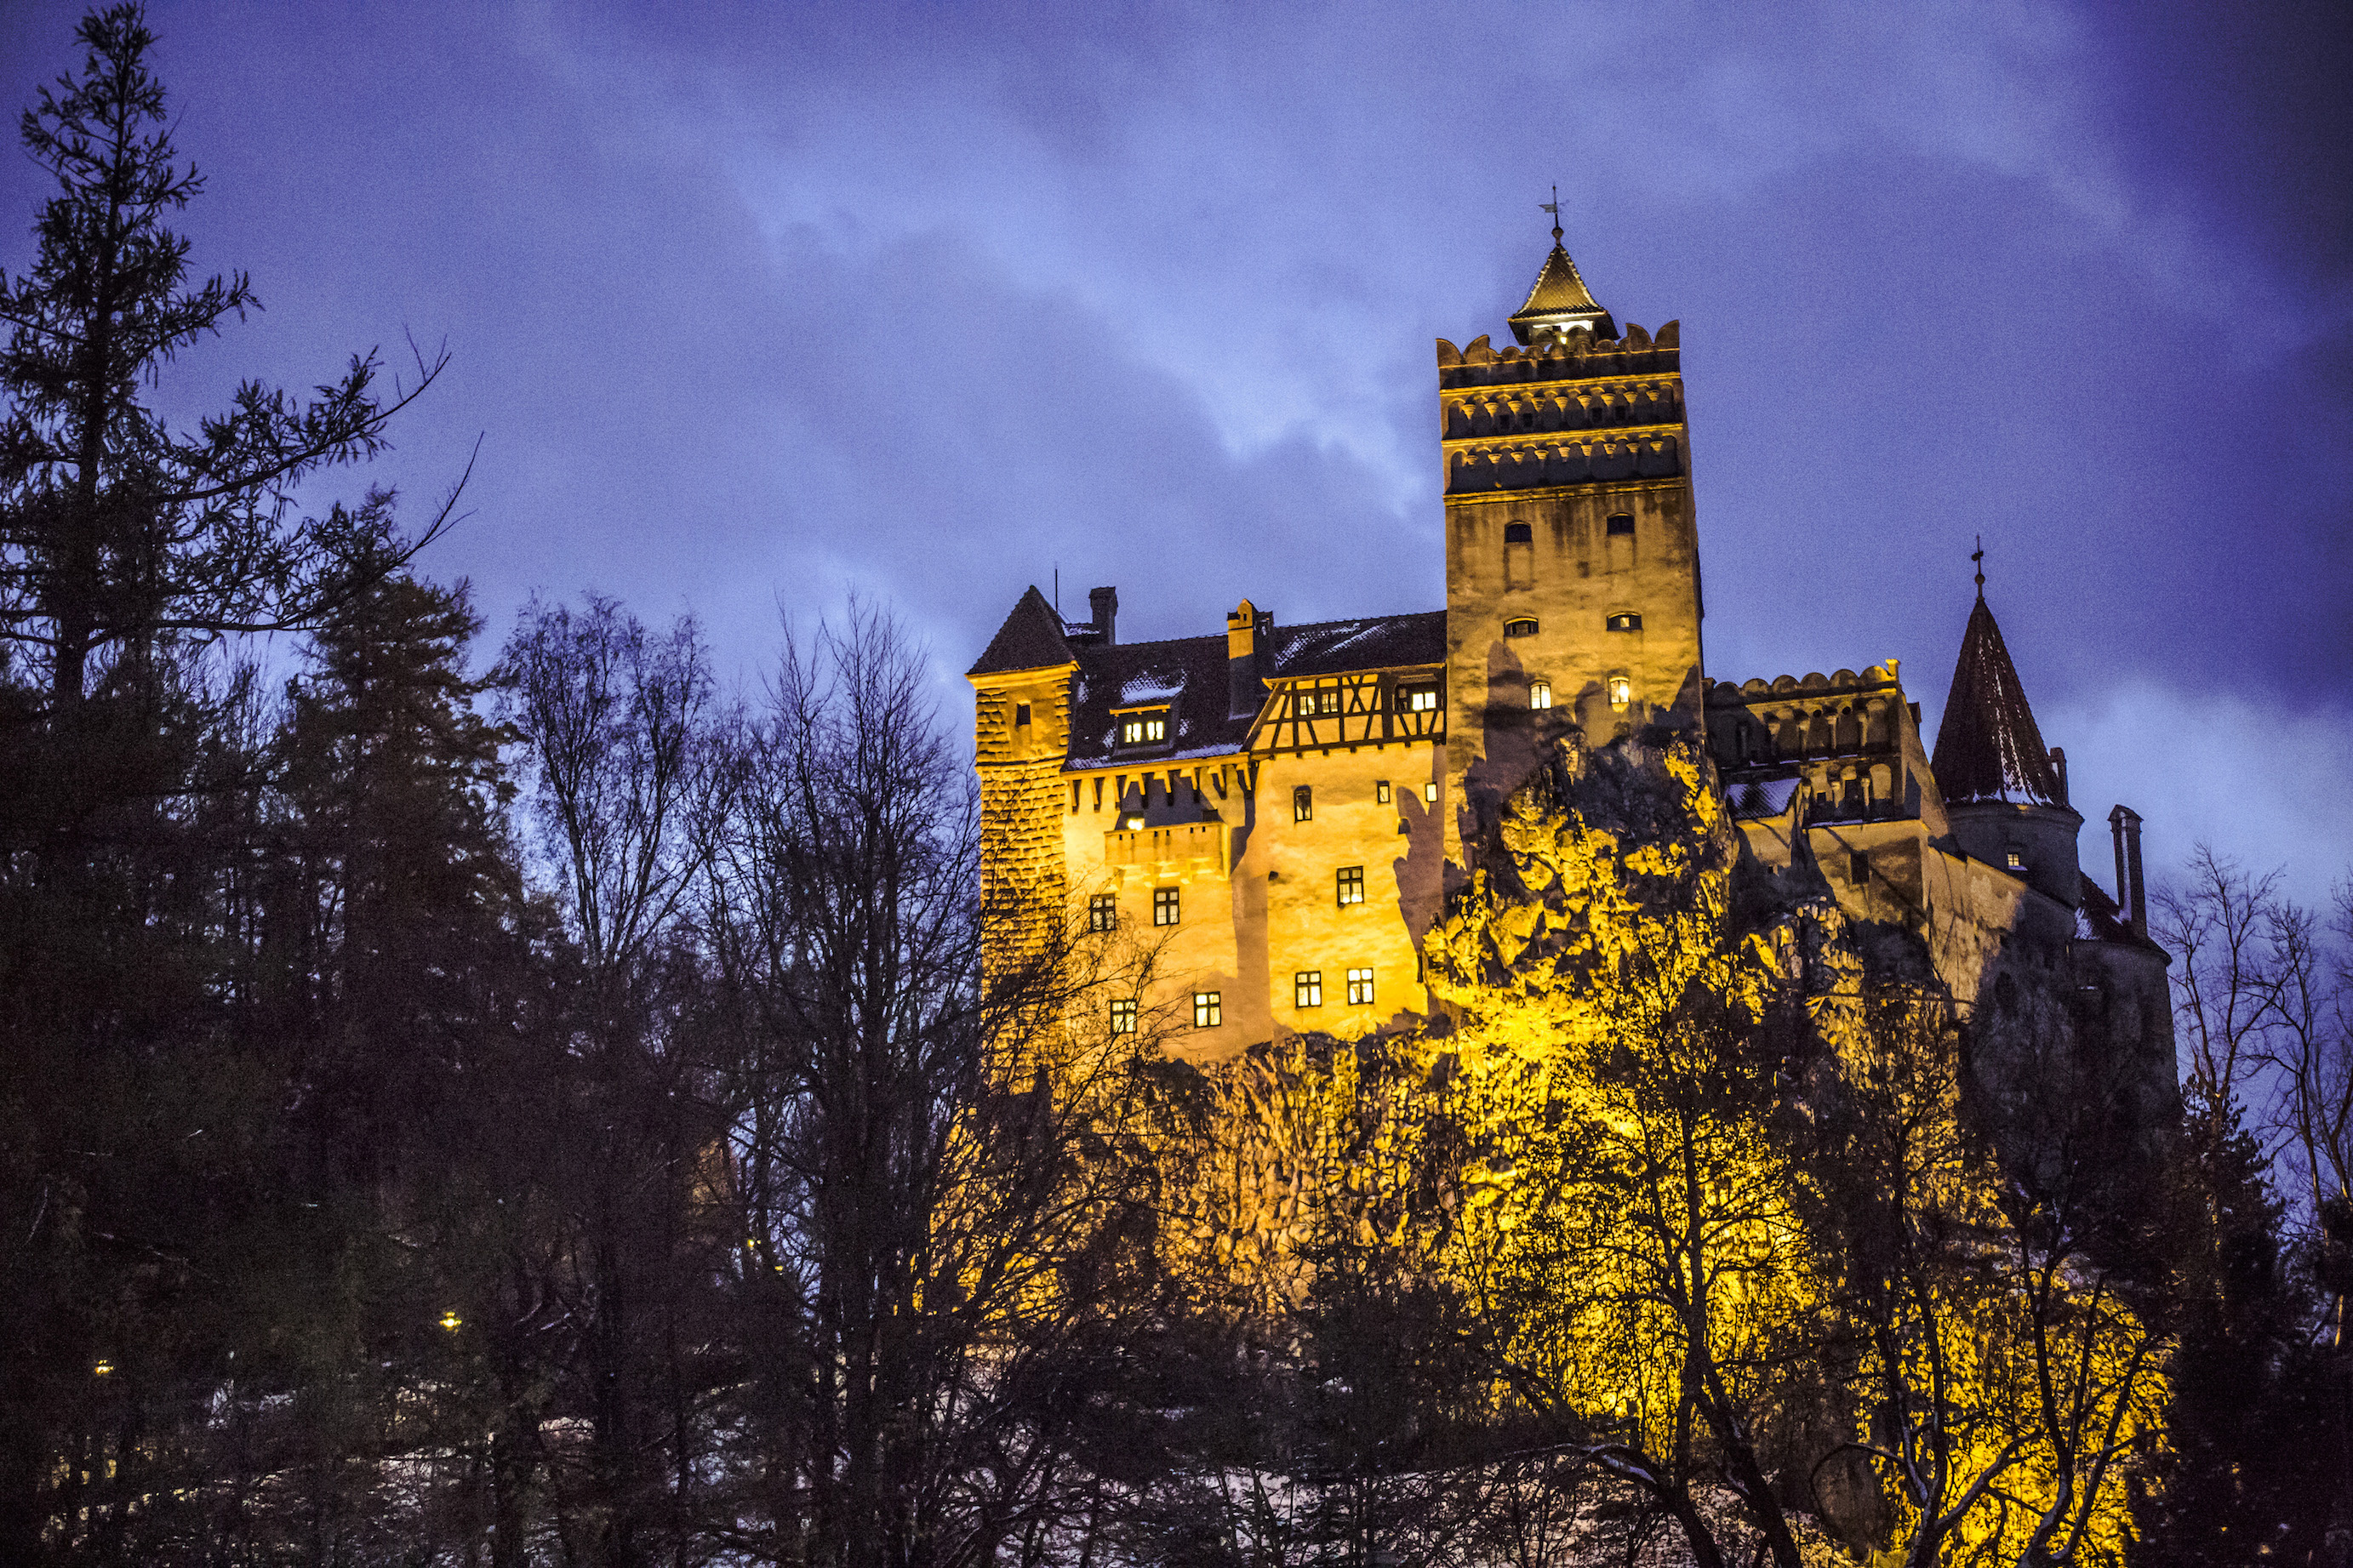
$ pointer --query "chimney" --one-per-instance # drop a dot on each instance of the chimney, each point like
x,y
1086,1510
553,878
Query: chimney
x,y
2132,898
1105,603
1245,692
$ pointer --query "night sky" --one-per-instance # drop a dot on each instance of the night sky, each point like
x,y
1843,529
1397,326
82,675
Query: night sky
x,y
755,306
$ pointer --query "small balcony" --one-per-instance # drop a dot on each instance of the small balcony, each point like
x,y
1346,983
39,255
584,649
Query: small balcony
x,y
1181,849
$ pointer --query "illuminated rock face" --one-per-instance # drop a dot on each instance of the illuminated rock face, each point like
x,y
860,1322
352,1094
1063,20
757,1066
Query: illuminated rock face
x,y
1279,814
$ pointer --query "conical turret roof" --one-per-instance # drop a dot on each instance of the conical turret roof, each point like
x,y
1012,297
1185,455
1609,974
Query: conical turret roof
x,y
1560,299
1030,638
1988,747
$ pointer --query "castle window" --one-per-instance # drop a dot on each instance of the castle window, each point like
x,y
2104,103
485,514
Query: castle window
x,y
1103,912
1622,691
1360,988
2016,861
1421,699
1303,804
1352,884
1621,522
1021,715
1519,628
1143,729
1624,621
1208,1009
1380,792
1307,988
1164,906
1429,792
1539,693
1518,534
1074,797
1123,1016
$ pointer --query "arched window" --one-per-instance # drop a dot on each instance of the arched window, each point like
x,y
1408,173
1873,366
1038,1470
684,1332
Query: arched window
x,y
1518,534
1519,628
1624,621
1539,693
1621,522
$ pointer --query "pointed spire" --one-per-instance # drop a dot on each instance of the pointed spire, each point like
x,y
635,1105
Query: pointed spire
x,y
1030,638
1560,302
1988,747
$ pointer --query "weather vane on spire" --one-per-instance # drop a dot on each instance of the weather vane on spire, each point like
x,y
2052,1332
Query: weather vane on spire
x,y
1553,206
1978,555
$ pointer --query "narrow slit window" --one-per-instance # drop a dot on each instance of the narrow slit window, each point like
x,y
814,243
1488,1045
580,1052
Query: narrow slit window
x,y
1360,988
1307,988
1208,1009
1164,906
1522,628
1352,884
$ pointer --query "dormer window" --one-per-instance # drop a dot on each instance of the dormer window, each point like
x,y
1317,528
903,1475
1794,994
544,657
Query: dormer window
x,y
2015,860
1519,628
1144,727
1624,621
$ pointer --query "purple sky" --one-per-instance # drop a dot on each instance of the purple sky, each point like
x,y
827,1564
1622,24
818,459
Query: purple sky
x,y
755,305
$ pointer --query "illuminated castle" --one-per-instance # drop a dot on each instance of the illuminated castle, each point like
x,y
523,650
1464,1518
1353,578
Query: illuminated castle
x,y
1281,807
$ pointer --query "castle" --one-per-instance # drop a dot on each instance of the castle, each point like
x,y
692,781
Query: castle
x,y
1279,808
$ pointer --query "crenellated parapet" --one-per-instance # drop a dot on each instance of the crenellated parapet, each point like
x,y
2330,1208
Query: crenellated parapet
x,y
1568,410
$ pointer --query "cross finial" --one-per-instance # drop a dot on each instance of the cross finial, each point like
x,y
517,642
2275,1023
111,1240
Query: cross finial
x,y
1978,555
1553,206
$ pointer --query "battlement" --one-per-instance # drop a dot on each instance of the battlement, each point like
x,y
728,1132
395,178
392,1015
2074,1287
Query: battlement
x,y
1576,356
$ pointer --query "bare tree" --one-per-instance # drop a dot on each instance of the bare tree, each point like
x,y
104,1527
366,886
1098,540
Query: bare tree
x,y
935,1190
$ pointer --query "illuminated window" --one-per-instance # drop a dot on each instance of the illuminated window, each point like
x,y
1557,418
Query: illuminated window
x,y
1429,792
1208,1009
1360,988
1122,1017
1540,694
1380,792
1307,988
1621,522
1421,698
1132,821
1624,621
1314,702
1518,534
2017,861
1164,906
1519,628
1103,912
1020,715
1144,729
1622,691
1303,804
1352,884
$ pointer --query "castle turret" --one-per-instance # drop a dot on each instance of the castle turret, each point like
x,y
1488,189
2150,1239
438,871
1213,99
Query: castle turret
x,y
2005,794
1572,553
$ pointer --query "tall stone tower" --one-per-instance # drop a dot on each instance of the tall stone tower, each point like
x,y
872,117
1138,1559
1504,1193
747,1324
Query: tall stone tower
x,y
1572,553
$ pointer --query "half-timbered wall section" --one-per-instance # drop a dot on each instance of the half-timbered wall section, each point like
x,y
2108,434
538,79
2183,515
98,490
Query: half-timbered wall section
x,y
1366,708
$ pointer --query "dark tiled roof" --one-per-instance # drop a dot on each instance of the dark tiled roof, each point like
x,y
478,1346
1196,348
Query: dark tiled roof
x,y
1988,747
1188,674
1559,290
1030,638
